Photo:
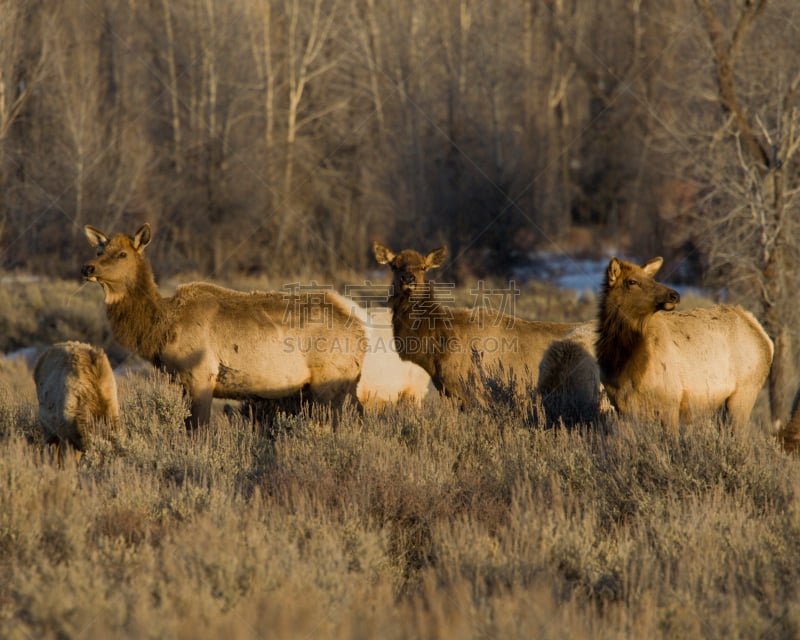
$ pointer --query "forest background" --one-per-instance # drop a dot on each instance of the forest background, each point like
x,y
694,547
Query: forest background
x,y
283,136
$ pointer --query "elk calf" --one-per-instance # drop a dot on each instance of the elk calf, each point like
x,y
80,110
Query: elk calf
x,y
789,434
76,388
569,379
676,365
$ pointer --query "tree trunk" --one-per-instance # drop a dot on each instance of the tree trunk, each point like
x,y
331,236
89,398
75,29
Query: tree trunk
x,y
173,89
781,389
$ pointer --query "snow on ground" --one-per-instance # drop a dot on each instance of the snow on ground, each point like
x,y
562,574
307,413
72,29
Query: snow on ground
x,y
582,275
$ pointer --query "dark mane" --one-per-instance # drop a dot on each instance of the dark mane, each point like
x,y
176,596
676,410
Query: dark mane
x,y
619,339
139,320
420,316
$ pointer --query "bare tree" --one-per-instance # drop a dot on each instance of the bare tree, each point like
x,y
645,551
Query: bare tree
x,y
172,87
308,37
19,73
751,218
23,59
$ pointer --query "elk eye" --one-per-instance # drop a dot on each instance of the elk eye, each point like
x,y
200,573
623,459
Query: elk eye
x,y
122,254
633,283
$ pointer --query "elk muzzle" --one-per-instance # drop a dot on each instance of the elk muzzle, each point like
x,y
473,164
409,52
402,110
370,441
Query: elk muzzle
x,y
670,299
87,271
407,278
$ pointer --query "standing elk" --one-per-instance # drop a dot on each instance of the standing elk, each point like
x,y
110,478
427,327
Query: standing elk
x,y
224,343
450,343
676,365
76,389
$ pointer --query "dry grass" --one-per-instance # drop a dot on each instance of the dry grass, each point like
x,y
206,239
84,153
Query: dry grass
x,y
47,311
435,523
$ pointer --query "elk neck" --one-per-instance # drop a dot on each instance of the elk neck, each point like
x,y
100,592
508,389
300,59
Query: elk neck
x,y
138,317
422,327
621,341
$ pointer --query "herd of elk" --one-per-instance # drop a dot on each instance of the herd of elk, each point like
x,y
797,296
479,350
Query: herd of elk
x,y
640,357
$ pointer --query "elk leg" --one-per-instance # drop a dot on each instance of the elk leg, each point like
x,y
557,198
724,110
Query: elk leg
x,y
671,418
738,407
199,384
201,409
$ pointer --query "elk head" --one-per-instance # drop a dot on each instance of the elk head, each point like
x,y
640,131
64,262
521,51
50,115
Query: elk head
x,y
634,291
116,266
408,266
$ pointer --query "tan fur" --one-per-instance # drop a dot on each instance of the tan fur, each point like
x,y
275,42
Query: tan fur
x,y
386,379
569,378
448,342
76,388
676,365
224,343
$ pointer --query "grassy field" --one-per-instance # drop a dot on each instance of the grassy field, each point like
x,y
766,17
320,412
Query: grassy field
x,y
431,523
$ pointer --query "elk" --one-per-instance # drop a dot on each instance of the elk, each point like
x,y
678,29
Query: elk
x,y
76,389
657,362
223,343
789,436
569,379
451,343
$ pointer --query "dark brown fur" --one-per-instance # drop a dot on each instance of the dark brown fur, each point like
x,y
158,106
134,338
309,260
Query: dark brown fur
x,y
569,379
789,436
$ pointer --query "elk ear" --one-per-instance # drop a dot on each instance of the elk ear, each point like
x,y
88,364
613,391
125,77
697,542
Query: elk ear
x,y
436,258
141,238
652,266
383,254
613,272
95,236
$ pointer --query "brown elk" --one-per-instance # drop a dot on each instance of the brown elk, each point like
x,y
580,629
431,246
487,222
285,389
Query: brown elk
x,y
224,343
76,389
450,343
676,365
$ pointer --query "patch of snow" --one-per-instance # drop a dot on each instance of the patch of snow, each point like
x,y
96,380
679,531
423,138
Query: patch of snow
x,y
28,354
